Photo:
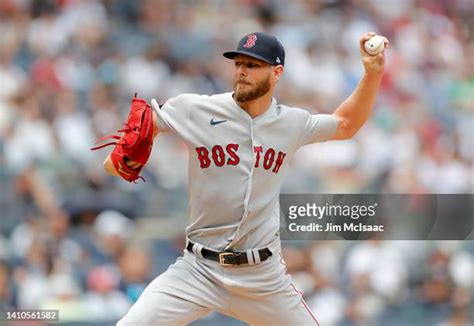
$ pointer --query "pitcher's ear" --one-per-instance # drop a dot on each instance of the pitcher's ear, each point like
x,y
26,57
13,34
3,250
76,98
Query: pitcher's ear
x,y
277,72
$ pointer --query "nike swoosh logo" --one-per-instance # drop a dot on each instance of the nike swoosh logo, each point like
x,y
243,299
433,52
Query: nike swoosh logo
x,y
216,122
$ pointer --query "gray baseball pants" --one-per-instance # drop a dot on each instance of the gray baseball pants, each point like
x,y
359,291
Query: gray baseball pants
x,y
192,287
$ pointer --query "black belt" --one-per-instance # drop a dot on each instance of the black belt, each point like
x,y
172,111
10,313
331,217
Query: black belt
x,y
229,258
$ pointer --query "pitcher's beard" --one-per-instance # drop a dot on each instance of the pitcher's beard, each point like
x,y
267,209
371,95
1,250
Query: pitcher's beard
x,y
253,92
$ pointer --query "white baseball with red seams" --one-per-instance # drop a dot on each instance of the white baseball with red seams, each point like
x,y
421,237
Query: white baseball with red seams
x,y
374,45
236,167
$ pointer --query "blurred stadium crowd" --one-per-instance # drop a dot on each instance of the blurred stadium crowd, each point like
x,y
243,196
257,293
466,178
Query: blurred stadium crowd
x,y
74,239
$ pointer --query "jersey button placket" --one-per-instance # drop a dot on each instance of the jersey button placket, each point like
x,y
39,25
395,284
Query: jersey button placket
x,y
249,180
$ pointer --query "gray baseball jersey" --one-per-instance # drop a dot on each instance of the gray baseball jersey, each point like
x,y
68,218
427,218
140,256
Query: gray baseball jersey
x,y
236,164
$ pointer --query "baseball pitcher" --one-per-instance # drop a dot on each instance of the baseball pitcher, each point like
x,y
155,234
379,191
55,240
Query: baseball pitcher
x,y
240,144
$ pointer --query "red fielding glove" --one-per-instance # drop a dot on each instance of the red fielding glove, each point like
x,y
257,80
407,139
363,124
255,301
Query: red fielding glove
x,y
136,142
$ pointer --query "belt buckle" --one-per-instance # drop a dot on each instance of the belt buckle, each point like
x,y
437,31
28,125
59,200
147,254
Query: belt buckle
x,y
222,258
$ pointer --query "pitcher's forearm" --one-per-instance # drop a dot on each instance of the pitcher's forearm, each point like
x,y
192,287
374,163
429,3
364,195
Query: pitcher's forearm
x,y
356,109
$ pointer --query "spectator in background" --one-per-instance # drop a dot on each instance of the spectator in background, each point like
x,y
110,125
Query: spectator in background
x,y
65,295
112,231
327,297
103,300
135,269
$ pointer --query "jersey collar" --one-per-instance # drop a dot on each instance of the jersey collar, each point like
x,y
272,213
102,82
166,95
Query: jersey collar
x,y
268,113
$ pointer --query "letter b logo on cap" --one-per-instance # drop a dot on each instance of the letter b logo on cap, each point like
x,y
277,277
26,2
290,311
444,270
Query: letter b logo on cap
x,y
250,41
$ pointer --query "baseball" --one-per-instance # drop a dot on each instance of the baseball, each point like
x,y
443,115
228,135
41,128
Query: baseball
x,y
374,45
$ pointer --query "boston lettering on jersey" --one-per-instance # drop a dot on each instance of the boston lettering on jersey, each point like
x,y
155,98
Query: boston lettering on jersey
x,y
221,156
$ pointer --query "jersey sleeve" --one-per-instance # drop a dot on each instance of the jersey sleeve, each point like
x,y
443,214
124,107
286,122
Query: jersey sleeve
x,y
317,128
175,115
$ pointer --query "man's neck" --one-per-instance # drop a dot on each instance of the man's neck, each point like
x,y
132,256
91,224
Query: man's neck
x,y
258,106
